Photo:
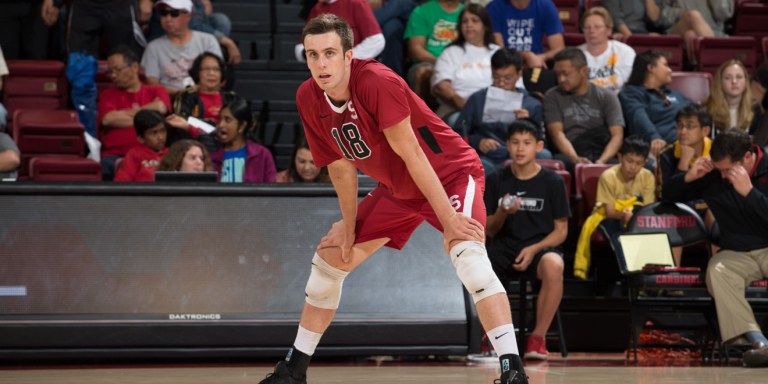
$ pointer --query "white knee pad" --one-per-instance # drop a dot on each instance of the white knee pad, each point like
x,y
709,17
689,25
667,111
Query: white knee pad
x,y
474,269
324,284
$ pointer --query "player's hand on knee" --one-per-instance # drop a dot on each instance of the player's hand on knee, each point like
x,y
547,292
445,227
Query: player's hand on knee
x,y
461,227
337,236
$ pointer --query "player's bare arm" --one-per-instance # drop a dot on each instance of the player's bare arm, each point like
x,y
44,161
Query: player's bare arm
x,y
456,227
344,178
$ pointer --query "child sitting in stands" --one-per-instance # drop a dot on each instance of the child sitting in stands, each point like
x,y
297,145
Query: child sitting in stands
x,y
620,189
140,162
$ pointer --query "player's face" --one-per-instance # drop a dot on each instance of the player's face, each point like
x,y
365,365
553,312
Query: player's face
x,y
734,81
155,137
522,148
569,77
305,165
631,164
506,78
193,160
690,132
328,63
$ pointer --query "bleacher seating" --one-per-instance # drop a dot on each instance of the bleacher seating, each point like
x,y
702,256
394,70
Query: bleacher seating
x,y
35,84
694,85
569,14
710,52
751,19
672,47
586,178
56,168
47,133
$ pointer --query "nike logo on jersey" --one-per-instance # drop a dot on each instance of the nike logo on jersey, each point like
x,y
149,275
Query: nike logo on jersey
x,y
500,336
324,116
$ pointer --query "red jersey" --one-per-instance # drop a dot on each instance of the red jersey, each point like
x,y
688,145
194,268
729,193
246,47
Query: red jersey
x,y
379,99
139,164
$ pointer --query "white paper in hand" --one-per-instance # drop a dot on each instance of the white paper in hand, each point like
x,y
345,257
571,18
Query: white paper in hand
x,y
500,105
197,123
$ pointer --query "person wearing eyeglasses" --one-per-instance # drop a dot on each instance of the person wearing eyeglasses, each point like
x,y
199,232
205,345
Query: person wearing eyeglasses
x,y
486,133
205,100
609,61
650,106
117,107
168,58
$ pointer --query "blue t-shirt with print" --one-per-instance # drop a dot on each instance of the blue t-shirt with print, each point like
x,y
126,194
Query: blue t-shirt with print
x,y
233,166
524,30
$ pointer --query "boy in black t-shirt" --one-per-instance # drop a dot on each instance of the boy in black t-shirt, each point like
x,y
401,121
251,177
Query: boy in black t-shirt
x,y
529,220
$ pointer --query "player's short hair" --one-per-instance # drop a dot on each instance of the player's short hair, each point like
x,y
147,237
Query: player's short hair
x,y
574,55
523,126
598,11
697,111
328,22
731,143
505,57
635,144
146,119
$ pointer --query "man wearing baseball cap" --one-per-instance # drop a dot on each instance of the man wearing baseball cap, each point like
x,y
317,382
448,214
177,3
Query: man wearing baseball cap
x,y
167,59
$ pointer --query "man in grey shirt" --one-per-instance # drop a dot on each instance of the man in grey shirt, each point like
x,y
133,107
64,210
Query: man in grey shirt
x,y
584,121
628,16
167,59
9,157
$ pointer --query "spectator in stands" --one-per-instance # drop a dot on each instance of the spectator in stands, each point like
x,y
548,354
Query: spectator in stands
x,y
204,101
734,183
3,72
649,105
167,59
24,29
487,132
140,162
369,41
527,222
117,20
620,189
302,168
119,105
465,65
694,125
239,159
583,120
609,61
629,16
431,27
730,101
690,18
217,24
10,157
522,25
759,85
186,156
392,16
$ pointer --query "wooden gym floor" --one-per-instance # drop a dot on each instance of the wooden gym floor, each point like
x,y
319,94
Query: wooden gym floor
x,y
577,368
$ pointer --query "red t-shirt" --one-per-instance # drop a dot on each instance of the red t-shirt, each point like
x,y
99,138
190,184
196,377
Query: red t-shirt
x,y
379,99
211,105
139,164
357,13
118,141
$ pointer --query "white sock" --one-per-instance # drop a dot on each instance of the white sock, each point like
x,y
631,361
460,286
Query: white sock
x,y
504,340
306,340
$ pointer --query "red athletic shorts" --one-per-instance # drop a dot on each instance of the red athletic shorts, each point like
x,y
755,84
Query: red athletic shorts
x,y
381,215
